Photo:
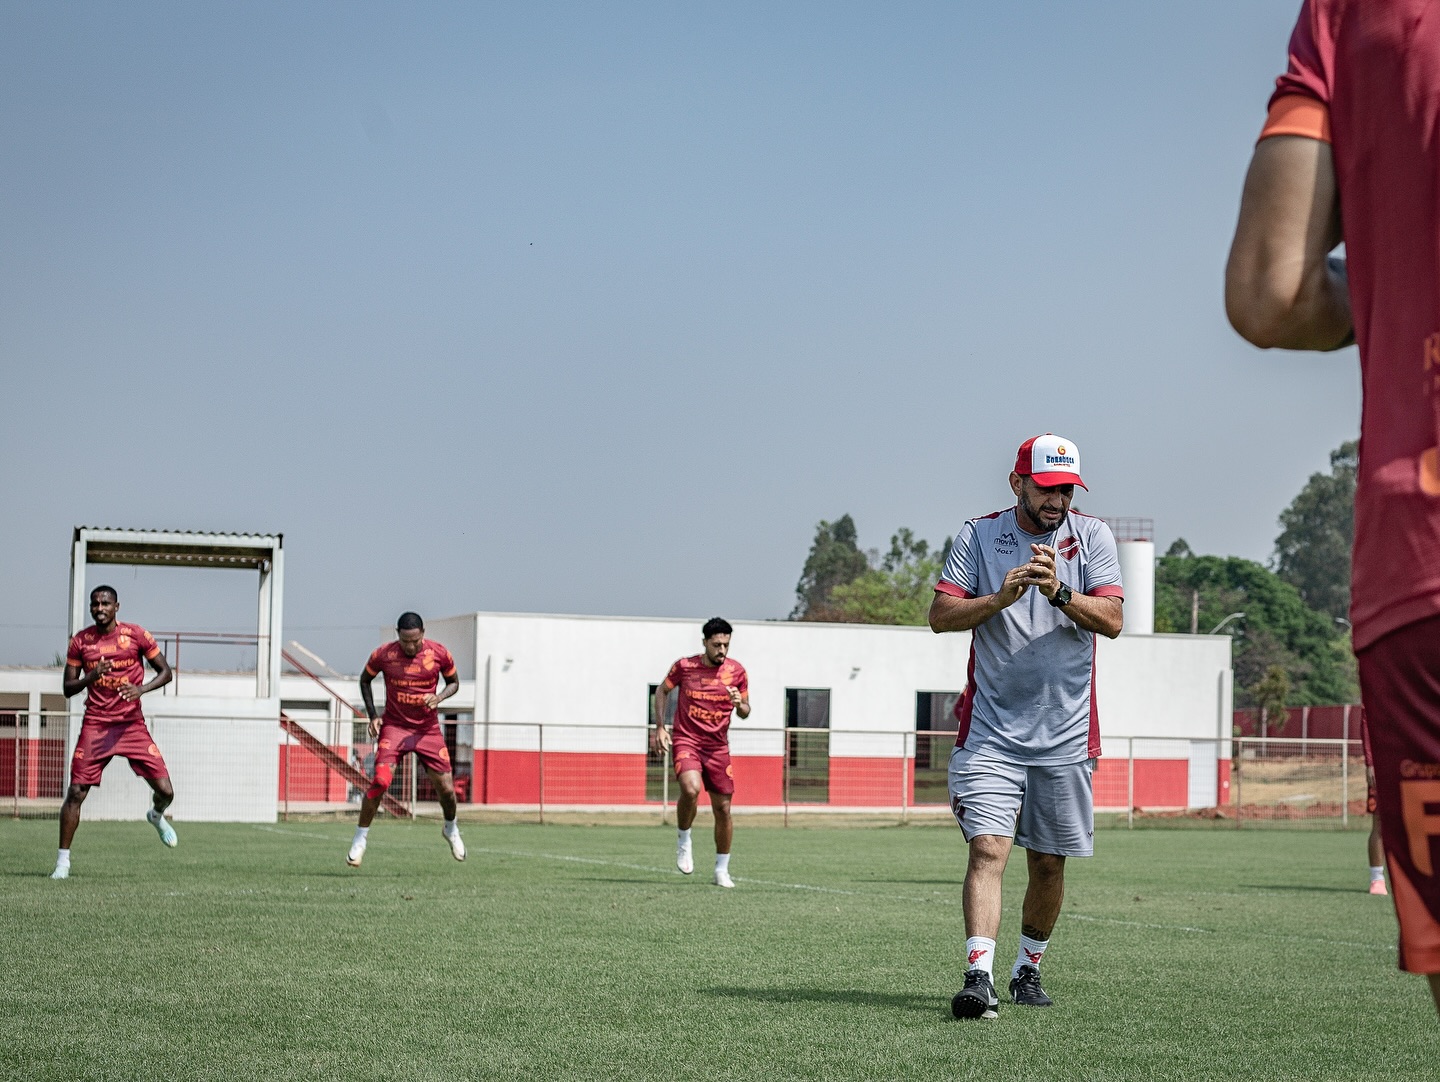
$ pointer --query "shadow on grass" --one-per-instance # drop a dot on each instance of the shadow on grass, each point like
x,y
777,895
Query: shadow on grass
x,y
921,882
853,997
1306,888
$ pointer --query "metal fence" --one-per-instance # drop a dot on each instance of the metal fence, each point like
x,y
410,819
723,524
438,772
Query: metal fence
x,y
537,772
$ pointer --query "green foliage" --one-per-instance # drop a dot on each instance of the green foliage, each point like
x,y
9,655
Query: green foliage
x,y
1312,552
1271,695
896,592
1279,629
835,560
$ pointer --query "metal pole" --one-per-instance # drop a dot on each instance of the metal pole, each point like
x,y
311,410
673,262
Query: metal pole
x,y
785,773
1130,793
664,784
16,798
1239,779
1345,780
904,775
287,775
541,729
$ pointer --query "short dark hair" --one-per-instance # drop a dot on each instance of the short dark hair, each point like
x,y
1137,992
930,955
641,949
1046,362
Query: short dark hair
x,y
409,621
716,626
104,590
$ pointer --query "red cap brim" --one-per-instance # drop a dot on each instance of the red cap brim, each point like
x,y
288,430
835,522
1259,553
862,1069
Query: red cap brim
x,y
1050,480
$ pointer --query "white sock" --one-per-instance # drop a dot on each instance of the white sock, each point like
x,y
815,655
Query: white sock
x,y
451,828
153,815
63,860
722,862
1376,874
980,954
1031,951
361,833
685,838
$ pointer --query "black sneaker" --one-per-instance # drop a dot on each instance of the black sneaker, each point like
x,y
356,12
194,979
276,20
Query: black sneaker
x,y
977,999
1025,989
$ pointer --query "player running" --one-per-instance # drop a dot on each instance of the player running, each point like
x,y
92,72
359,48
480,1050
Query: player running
x,y
1350,138
712,685
1034,584
106,658
412,666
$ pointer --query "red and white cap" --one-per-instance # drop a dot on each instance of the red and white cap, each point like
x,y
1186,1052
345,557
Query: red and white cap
x,y
1050,460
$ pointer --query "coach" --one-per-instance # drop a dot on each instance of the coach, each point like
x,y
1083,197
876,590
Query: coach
x,y
1034,584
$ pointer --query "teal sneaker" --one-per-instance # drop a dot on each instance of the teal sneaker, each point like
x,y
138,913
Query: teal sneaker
x,y
162,827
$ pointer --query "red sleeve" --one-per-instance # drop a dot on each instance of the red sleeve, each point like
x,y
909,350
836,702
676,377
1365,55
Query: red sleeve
x,y
375,663
148,646
945,587
1312,54
73,654
742,685
447,663
673,676
1108,591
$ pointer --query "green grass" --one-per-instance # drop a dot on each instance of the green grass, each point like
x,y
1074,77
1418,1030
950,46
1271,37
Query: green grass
x,y
577,952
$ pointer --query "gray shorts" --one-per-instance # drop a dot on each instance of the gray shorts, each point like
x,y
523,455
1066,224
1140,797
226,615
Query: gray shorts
x,y
1050,809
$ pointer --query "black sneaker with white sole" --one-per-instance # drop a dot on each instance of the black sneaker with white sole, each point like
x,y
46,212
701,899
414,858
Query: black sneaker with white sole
x,y
977,999
1025,989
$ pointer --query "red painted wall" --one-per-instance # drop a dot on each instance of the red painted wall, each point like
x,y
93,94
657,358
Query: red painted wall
x,y
1159,783
42,768
308,778
871,782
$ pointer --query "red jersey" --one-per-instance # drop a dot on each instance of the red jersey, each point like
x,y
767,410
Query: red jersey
x,y
1369,70
123,647
704,707
409,681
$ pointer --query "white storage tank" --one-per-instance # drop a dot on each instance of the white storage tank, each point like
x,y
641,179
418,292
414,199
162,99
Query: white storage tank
x,y
1135,542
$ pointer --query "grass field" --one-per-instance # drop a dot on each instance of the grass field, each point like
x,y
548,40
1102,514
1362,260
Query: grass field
x,y
578,952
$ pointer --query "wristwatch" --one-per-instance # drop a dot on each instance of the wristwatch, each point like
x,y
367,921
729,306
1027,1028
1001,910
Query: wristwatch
x,y
1062,596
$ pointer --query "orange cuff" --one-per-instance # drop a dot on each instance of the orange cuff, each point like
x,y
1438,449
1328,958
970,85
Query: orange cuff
x,y
1296,114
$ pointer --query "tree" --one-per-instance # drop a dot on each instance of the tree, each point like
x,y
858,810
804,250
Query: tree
x,y
896,592
1312,552
1279,629
835,560
1270,694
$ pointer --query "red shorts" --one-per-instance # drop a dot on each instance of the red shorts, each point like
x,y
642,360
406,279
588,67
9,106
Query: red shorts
x,y
1400,683
712,760
99,743
428,744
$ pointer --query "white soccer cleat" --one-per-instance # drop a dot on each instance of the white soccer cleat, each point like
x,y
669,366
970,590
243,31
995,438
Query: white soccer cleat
x,y
62,871
722,879
162,827
457,847
684,857
357,853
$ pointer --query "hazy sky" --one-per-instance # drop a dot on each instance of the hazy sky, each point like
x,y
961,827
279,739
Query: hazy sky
x,y
601,308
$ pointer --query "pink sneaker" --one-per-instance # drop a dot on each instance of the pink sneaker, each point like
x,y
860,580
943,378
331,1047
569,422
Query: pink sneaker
x,y
1378,887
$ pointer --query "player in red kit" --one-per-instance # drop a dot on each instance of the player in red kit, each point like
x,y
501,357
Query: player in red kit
x,y
412,666
108,660
712,685
1348,154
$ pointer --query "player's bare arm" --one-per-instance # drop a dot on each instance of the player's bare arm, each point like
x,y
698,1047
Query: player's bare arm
x,y
452,685
740,702
1102,615
951,613
163,675
368,695
75,681
1282,289
660,736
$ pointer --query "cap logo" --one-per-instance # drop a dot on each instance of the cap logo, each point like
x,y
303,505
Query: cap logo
x,y
1062,459
1060,450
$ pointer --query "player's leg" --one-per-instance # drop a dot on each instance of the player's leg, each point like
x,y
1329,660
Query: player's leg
x,y
69,823
687,764
163,794
387,754
1056,821
720,784
985,798
145,759
445,790
1375,844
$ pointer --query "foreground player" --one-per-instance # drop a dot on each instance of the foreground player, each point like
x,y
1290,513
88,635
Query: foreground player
x,y
109,654
1035,584
1351,138
712,685
412,666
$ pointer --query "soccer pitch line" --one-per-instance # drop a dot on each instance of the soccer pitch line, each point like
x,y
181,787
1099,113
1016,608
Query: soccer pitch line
x,y
566,858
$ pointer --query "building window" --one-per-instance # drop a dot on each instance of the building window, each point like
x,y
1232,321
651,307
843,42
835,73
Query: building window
x,y
935,728
807,739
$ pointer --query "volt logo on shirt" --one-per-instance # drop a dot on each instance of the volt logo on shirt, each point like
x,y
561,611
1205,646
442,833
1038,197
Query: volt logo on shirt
x,y
1006,543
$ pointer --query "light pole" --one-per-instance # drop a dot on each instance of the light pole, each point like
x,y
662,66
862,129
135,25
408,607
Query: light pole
x,y
1233,616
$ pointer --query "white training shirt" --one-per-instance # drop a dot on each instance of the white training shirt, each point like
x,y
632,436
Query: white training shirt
x,y
1029,696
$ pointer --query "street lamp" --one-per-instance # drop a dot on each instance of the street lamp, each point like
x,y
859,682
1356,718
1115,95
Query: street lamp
x,y
1233,616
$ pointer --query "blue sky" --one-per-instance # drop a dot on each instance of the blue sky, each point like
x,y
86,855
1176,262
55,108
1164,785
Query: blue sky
x,y
601,308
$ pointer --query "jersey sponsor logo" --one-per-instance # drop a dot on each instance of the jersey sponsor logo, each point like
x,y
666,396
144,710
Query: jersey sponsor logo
x,y
1006,543
1069,548
1421,825
1411,769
